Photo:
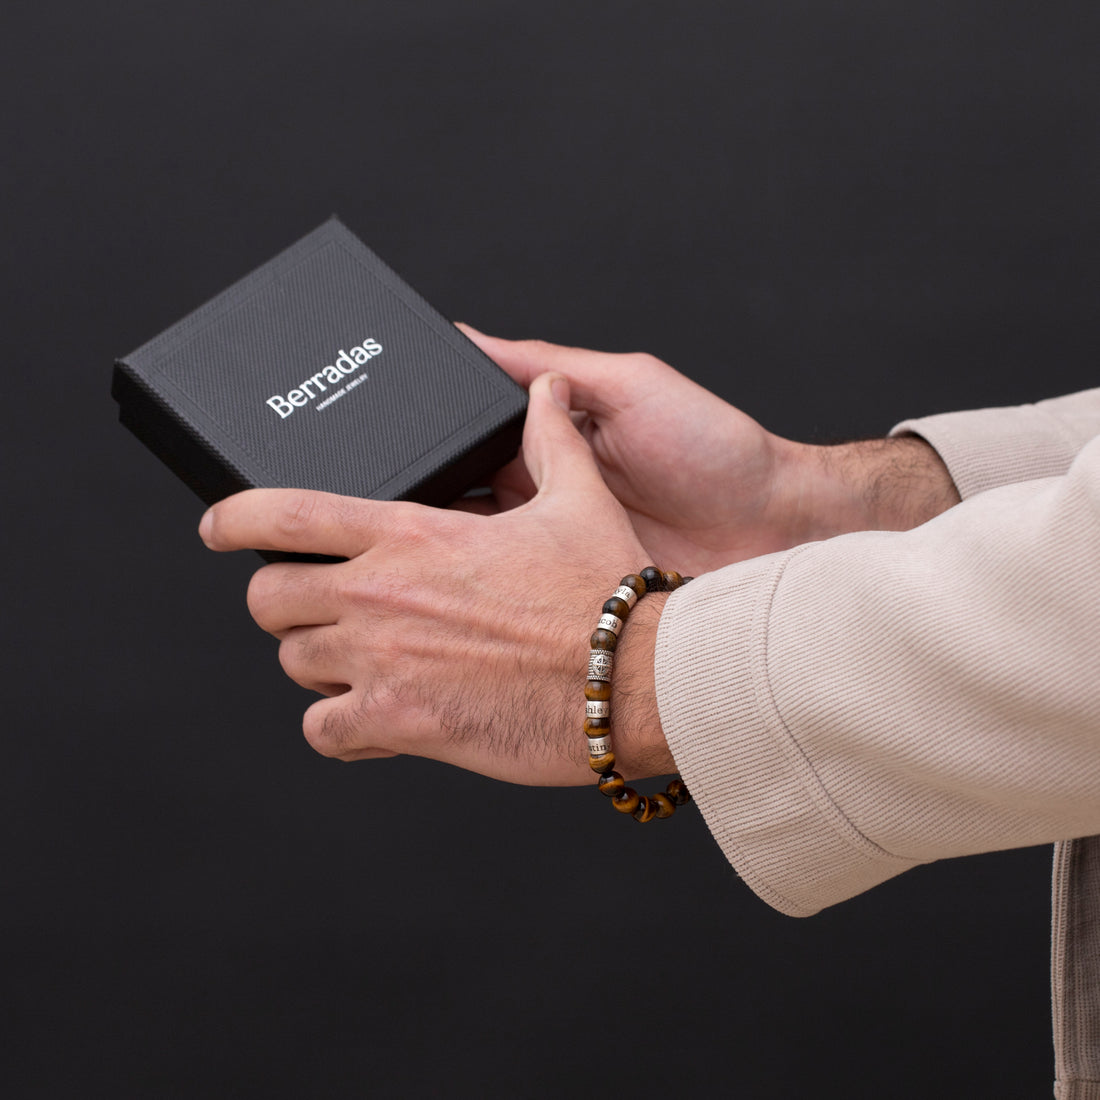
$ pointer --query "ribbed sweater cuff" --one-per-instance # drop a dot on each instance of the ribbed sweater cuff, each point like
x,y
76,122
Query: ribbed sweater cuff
x,y
987,448
1077,1090
756,789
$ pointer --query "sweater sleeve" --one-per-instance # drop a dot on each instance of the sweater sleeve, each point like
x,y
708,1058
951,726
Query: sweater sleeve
x,y
849,708
989,447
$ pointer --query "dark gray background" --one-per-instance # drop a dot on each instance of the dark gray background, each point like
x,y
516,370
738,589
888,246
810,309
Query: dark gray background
x,y
834,215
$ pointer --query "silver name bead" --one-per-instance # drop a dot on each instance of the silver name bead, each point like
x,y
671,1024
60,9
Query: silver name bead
x,y
627,595
599,746
595,709
610,622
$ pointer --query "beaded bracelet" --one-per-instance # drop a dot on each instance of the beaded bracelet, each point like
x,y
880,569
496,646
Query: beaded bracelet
x,y
597,694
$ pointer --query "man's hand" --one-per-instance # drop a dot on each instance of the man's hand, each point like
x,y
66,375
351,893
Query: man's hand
x,y
456,636
704,484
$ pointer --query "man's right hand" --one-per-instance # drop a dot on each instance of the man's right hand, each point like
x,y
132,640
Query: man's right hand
x,y
703,483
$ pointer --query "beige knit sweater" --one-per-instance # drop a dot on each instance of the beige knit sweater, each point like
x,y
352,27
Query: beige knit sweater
x,y
850,708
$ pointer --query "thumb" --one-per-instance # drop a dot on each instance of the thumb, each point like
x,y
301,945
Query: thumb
x,y
556,454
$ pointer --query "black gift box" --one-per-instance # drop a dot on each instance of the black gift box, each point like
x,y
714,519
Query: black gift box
x,y
321,369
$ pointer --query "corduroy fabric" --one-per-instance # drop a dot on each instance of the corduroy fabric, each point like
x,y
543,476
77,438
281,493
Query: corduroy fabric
x,y
752,781
920,694
1075,969
849,708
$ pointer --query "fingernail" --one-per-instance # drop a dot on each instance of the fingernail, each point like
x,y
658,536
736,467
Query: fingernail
x,y
206,525
559,389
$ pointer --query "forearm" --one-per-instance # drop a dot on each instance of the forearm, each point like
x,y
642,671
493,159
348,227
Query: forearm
x,y
848,709
986,448
924,467
891,484
880,484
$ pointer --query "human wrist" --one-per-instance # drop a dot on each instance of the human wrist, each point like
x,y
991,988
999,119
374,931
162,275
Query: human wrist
x,y
891,484
640,746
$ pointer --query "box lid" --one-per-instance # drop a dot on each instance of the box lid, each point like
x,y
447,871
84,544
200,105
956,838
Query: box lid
x,y
322,369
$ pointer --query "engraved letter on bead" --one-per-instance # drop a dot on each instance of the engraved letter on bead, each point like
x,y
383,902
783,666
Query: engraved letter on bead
x,y
627,595
610,622
596,709
599,746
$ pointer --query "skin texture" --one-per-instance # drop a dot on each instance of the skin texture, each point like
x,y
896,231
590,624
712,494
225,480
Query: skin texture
x,y
462,634
451,635
705,485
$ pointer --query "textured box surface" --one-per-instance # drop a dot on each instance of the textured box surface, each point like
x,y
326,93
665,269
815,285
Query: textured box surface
x,y
321,369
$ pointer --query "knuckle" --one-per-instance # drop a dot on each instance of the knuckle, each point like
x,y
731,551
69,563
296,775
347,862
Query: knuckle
x,y
343,731
644,362
383,706
416,527
295,513
383,595
292,656
535,347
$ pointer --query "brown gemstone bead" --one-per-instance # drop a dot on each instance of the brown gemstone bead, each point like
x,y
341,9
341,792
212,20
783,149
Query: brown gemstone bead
x,y
678,792
654,579
611,784
597,690
626,801
632,580
597,727
616,607
673,580
646,811
604,639
664,804
601,764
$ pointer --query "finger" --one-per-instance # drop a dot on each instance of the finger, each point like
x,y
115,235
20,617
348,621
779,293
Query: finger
x,y
298,520
331,729
554,452
601,381
286,595
312,658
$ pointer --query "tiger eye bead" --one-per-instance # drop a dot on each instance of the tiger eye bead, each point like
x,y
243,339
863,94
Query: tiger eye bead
x,y
664,804
597,693
626,801
611,784
597,690
602,763
678,792
619,608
